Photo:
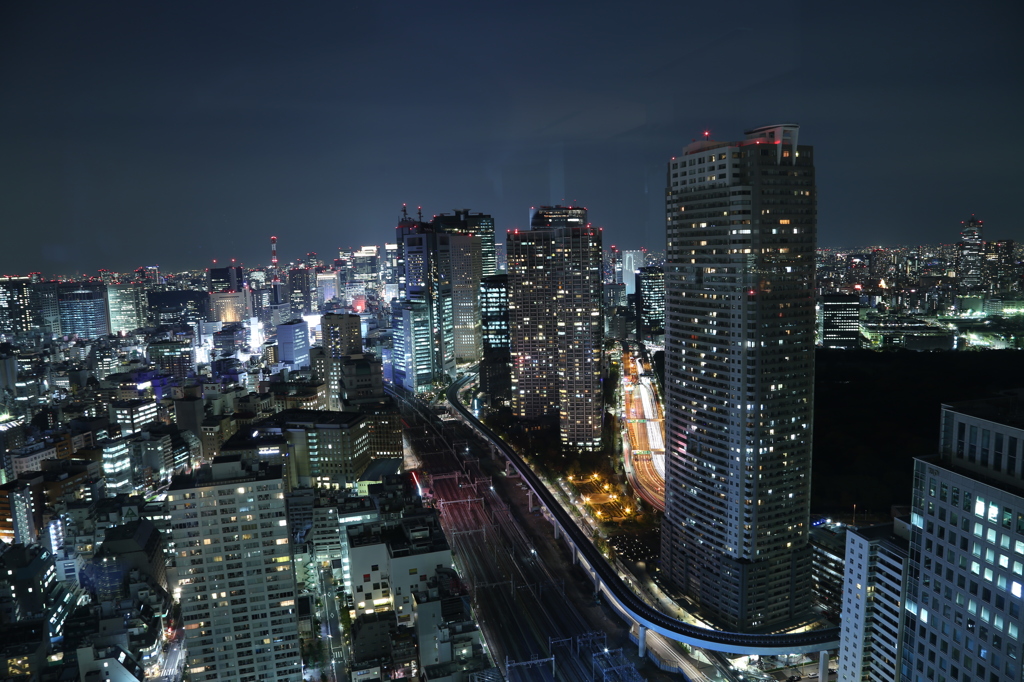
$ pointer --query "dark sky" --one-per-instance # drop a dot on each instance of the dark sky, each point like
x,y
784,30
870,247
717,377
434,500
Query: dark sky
x,y
174,133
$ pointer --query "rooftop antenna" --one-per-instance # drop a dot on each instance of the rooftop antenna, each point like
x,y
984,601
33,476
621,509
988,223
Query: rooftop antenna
x,y
405,213
419,213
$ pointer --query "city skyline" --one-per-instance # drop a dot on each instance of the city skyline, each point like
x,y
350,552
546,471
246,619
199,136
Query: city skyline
x,y
124,150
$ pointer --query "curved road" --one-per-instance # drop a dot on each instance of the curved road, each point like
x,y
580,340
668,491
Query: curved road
x,y
644,426
621,597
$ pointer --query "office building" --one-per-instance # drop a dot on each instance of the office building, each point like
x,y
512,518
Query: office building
x,y
828,556
612,265
127,307
1002,271
481,225
466,274
234,572
650,288
840,321
970,263
223,280
326,287
342,335
500,258
495,367
424,341
365,265
132,415
178,307
554,302
118,472
231,307
389,269
631,262
328,449
875,576
413,357
739,280
15,304
293,344
83,310
176,357
301,295
271,304
962,603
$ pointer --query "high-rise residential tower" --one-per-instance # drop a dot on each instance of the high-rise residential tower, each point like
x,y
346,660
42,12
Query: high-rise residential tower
x,y
554,284
740,321
234,570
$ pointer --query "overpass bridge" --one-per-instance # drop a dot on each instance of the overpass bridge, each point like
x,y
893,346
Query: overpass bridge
x,y
630,606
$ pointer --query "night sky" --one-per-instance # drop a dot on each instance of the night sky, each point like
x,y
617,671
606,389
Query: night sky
x,y
174,133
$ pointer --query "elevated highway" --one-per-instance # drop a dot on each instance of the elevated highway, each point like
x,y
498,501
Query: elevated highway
x,y
630,606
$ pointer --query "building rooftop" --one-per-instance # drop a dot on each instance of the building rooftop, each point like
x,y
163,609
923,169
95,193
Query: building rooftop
x,y
379,468
225,470
1006,408
312,418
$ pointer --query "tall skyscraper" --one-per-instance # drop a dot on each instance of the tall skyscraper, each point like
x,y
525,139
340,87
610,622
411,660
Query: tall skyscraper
x,y
301,283
472,224
366,265
466,275
970,265
271,304
739,280
962,604
83,310
495,378
127,307
1002,270
650,287
424,343
631,262
235,572
554,280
